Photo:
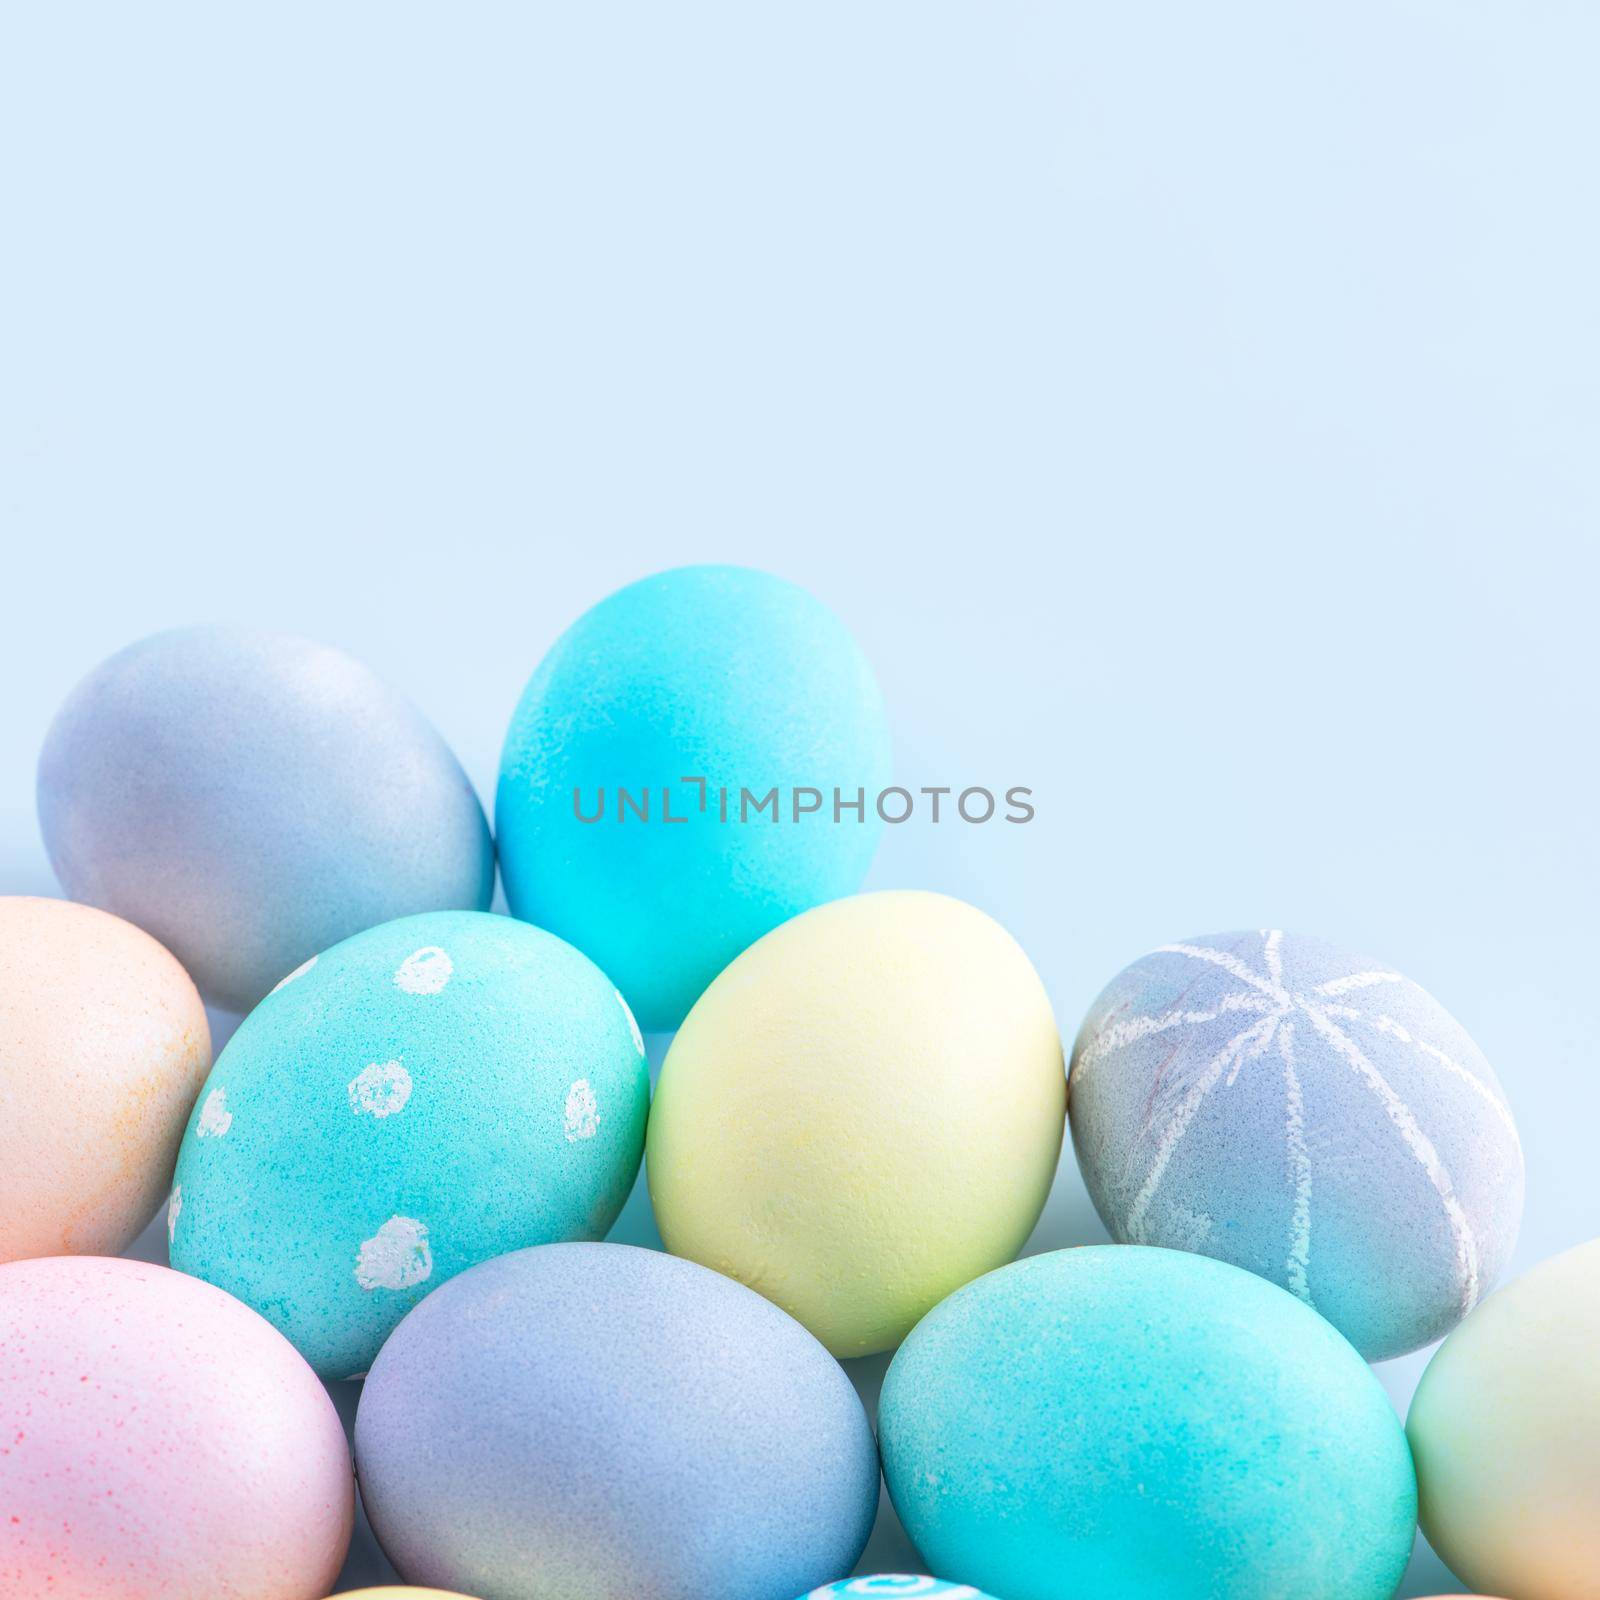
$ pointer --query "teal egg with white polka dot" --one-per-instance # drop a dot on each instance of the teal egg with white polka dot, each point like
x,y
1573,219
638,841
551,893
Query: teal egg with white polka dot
x,y
421,1097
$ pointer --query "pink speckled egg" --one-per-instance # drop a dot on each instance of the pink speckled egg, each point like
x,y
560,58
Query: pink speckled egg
x,y
103,1048
160,1441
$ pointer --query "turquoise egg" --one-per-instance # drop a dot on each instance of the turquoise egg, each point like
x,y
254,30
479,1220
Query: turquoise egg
x,y
419,1098
669,782
1122,1421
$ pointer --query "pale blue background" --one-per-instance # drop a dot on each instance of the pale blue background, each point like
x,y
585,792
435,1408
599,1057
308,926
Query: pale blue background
x,y
1193,408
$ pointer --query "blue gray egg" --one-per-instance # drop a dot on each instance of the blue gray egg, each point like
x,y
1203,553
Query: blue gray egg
x,y
428,1094
669,782
1308,1114
606,1423
250,798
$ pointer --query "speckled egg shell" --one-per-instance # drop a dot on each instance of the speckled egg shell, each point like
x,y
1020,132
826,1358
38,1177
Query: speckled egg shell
x,y
1305,1113
430,1093
901,1584
103,1047
640,1429
251,798
1505,1427
717,673
862,1113
1119,1422
159,1439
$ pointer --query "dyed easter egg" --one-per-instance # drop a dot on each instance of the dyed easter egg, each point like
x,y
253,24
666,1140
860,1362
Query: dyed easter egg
x,y
103,1047
1120,1422
393,1593
862,1113
251,798
430,1093
607,1423
1505,1427
897,1583
1309,1115
159,1438
685,690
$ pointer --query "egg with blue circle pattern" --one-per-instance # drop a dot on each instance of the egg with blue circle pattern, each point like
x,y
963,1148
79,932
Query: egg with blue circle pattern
x,y
430,1093
901,1584
1122,1422
250,798
1306,1113
601,1422
667,788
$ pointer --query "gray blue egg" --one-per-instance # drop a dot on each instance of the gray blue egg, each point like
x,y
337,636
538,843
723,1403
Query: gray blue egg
x,y
605,1423
622,815
250,798
1305,1113
1120,1423
428,1094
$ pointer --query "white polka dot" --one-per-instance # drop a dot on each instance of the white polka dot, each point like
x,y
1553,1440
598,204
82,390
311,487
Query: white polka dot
x,y
424,971
174,1206
215,1117
299,972
380,1090
582,1117
633,1027
395,1257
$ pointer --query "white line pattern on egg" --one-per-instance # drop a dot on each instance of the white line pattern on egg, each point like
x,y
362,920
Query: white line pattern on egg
x,y
1273,1008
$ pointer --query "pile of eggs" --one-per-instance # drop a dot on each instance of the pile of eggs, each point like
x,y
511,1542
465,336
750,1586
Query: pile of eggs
x,y
402,1166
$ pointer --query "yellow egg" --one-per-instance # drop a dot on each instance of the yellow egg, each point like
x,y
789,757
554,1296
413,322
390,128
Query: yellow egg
x,y
863,1112
103,1048
1505,1430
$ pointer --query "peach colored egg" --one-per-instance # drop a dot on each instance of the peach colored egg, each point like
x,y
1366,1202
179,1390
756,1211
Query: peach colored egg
x,y
1505,1432
103,1048
160,1441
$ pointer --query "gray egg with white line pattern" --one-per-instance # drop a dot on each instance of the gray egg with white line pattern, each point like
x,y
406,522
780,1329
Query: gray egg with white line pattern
x,y
421,1097
1305,1113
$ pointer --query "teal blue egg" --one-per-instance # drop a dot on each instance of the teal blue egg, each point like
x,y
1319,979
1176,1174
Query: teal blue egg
x,y
428,1094
1123,1422
697,759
